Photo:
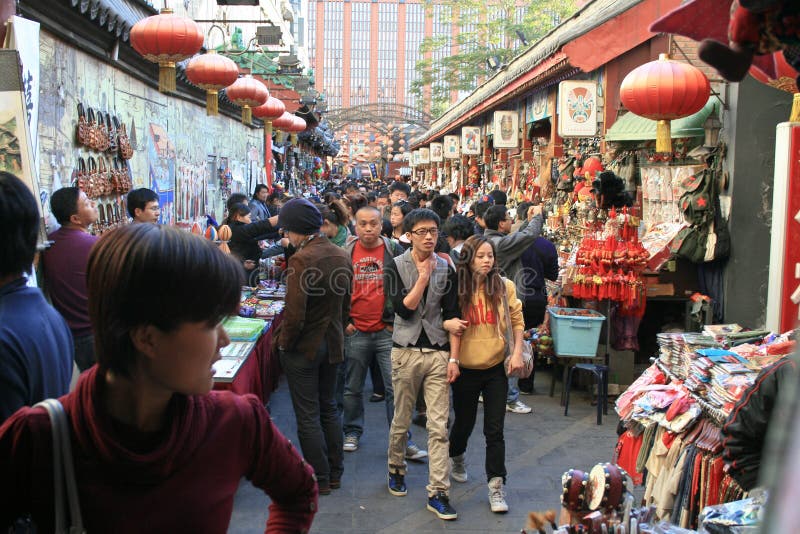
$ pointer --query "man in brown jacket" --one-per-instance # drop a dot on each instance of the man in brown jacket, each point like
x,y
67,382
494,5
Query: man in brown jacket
x,y
311,337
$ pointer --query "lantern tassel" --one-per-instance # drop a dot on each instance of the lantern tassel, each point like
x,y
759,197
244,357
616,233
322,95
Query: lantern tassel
x,y
212,103
663,136
795,116
166,77
247,115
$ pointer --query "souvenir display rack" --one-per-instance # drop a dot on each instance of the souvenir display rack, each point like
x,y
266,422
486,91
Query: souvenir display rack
x,y
674,413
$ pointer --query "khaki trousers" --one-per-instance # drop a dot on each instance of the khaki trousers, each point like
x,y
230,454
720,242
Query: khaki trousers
x,y
411,369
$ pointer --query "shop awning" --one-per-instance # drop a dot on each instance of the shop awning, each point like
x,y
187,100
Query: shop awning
x,y
632,127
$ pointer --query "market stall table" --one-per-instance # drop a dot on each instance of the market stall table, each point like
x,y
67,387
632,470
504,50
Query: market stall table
x,y
258,372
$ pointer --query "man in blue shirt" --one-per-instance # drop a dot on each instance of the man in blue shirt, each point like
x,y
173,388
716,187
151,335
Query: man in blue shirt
x,y
36,352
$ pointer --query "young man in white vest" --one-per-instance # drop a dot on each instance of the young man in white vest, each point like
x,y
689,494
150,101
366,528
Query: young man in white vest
x,y
424,293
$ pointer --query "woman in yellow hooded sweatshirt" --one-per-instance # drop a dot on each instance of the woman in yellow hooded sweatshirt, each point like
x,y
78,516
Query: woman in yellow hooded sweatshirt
x,y
481,351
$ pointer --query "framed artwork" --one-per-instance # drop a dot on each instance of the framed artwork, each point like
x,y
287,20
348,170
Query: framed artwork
x,y
505,129
537,108
424,155
452,149
436,152
577,104
471,140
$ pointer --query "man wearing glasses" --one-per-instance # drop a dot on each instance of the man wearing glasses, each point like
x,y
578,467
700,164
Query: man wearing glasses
x,y
424,293
143,205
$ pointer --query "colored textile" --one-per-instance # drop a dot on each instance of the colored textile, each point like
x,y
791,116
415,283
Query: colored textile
x,y
35,348
168,481
64,264
366,310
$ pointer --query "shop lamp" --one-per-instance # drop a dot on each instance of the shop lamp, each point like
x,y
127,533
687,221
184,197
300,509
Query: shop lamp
x,y
712,126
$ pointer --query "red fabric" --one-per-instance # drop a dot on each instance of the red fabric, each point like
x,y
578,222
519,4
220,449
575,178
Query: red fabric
x,y
366,309
627,451
185,482
715,475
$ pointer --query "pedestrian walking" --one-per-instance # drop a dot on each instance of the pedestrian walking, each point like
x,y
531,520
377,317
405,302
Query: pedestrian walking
x,y
311,337
481,350
422,288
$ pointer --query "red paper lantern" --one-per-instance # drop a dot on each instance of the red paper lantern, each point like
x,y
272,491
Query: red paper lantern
x,y
298,125
248,93
270,110
664,90
212,72
166,39
284,122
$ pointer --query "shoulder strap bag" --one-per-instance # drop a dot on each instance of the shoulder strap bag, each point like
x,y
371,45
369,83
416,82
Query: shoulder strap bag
x,y
63,471
527,353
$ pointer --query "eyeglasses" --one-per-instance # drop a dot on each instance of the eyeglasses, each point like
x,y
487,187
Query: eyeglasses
x,y
423,231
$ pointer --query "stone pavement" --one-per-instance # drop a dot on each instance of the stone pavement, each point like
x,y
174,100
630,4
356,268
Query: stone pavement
x,y
539,447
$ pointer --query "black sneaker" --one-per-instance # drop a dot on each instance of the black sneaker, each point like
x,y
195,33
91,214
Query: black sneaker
x,y
439,504
397,484
376,397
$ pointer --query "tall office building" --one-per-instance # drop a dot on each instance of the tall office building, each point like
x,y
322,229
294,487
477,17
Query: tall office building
x,y
366,51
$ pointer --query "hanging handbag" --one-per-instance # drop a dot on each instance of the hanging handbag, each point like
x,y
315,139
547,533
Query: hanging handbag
x,y
83,126
123,141
112,135
527,352
63,471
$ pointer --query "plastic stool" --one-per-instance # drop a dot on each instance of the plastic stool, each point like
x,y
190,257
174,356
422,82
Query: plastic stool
x,y
600,373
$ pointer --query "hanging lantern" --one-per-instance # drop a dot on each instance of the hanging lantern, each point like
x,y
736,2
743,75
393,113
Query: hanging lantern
x,y
212,72
270,110
299,124
664,90
166,39
248,93
284,122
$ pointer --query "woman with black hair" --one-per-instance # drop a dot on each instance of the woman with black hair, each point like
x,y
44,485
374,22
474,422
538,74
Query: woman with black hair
x,y
484,296
246,234
258,204
400,209
335,219
157,297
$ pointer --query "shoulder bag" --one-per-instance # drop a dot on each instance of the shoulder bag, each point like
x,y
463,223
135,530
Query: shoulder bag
x,y
527,352
63,471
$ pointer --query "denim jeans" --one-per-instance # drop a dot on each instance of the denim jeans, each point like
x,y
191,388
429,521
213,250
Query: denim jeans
x,y
359,350
492,383
513,390
319,428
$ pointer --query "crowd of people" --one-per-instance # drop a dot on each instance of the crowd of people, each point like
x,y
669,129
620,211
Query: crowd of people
x,y
423,291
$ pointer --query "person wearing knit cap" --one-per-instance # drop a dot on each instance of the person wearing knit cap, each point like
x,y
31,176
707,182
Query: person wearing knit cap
x,y
310,338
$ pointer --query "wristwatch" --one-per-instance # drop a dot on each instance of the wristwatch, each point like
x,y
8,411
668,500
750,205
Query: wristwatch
x,y
453,360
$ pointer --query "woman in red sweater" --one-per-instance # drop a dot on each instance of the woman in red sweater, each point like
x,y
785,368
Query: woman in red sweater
x,y
155,450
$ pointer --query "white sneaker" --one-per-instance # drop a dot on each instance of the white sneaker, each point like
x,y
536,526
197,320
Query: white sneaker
x,y
518,407
458,468
350,443
497,497
415,453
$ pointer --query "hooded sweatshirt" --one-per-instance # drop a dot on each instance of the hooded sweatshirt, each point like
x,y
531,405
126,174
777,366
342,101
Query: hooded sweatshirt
x,y
180,479
483,343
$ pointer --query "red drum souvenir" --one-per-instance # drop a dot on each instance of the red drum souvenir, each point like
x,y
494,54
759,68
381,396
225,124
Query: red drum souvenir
x,y
606,487
574,484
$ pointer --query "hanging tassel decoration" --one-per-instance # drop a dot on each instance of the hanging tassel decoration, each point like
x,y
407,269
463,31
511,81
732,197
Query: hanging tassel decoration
x,y
212,102
663,136
166,77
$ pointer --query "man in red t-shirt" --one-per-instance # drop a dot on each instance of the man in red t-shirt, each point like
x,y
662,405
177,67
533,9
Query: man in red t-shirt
x,y
369,334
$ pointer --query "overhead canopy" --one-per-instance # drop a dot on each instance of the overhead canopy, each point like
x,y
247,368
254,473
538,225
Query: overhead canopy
x,y
632,127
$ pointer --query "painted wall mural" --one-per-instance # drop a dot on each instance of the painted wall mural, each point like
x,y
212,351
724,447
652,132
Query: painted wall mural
x,y
178,150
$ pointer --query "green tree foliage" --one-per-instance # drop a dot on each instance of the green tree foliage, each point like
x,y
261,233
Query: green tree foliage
x,y
485,30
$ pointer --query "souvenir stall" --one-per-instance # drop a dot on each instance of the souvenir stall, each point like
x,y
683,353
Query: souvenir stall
x,y
673,415
248,364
